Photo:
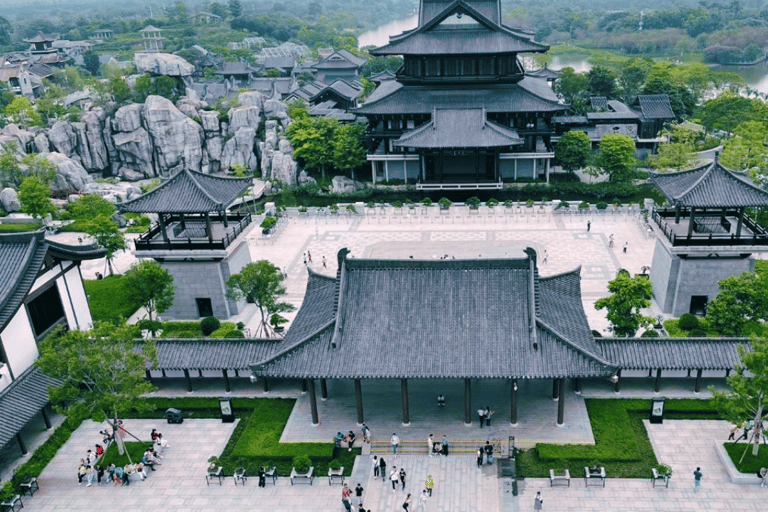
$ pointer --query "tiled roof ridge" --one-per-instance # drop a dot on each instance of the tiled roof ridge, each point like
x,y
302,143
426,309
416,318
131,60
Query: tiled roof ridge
x,y
576,271
525,89
284,352
338,307
452,264
29,253
573,346
717,339
201,189
318,275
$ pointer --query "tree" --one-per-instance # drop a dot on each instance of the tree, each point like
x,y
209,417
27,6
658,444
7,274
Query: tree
x,y
261,283
6,30
40,167
235,9
91,62
629,296
749,389
219,9
617,156
678,153
101,371
35,197
602,82
741,299
573,150
572,87
311,138
10,170
88,206
747,149
107,235
151,287
631,78
728,110
348,151
21,110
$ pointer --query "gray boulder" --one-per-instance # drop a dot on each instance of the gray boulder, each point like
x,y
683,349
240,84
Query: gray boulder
x,y
129,174
177,139
284,168
127,118
69,173
41,143
242,117
210,122
162,64
112,192
10,200
306,179
342,184
134,150
239,150
62,137
251,99
90,146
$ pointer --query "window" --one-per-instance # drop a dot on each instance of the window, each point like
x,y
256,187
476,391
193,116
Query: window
x,y
45,310
204,307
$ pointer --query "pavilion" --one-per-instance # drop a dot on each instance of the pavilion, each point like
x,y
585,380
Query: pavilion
x,y
707,236
196,239
425,319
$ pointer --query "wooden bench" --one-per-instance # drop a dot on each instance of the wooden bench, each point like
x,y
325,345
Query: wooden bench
x,y
559,479
12,504
657,476
303,477
596,478
30,486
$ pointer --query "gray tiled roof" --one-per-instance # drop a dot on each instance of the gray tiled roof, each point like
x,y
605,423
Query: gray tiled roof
x,y
599,102
342,59
656,106
427,318
189,192
220,354
611,116
459,128
545,72
428,9
22,256
711,186
21,401
672,353
528,95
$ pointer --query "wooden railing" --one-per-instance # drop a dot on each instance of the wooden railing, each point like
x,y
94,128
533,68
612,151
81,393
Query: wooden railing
x,y
754,234
152,240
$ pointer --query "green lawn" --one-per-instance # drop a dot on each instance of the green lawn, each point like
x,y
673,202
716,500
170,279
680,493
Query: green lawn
x,y
19,227
107,298
134,449
750,464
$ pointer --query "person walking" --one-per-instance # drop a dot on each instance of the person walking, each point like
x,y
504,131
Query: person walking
x,y
479,456
395,442
350,440
763,475
488,452
383,468
366,433
345,494
546,255
481,414
375,466
610,241
732,436
488,414
262,477
309,256
429,484
402,478
81,471
90,475
430,444
538,502
394,478
589,225
324,263
445,445
407,502
305,259
423,500
697,480
625,247
359,493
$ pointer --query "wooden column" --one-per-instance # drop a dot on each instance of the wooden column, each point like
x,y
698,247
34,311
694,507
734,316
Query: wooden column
x,y
576,385
226,221
22,446
359,401
189,380
265,384
310,384
161,221
304,387
617,384
513,408
323,389
740,223
226,380
467,402
404,401
46,419
697,386
208,228
561,402
148,375
182,221
690,222
657,385
677,214
554,389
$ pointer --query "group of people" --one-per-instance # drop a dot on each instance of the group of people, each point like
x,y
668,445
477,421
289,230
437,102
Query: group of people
x,y
485,452
350,437
435,448
485,416
346,494
396,477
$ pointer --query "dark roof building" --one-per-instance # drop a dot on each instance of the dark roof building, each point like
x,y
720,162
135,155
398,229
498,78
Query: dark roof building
x,y
461,58
340,64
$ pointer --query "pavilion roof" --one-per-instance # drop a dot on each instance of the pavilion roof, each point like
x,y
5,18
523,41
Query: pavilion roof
x,y
459,128
528,95
189,192
438,319
221,354
710,186
449,33
340,59
42,38
545,72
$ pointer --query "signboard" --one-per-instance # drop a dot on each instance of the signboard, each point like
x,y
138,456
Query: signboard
x,y
227,414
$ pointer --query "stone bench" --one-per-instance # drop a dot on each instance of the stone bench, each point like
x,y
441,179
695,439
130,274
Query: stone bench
x,y
657,476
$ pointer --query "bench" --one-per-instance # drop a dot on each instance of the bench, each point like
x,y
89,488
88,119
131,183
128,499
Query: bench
x,y
240,476
303,477
657,476
272,473
559,479
30,486
594,478
214,473
12,504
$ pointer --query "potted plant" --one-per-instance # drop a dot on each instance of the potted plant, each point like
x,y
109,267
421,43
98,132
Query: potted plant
x,y
664,470
213,464
509,203
335,468
595,467
616,204
474,202
397,204
444,203
544,200
277,321
370,204
583,205
491,203
334,209
302,465
564,204
408,203
602,205
267,224
529,203
302,211
426,202
351,209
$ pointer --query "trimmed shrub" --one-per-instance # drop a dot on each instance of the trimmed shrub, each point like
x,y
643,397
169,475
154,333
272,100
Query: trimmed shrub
x,y
688,322
602,205
209,324
699,333
302,463
444,203
474,201
650,333
583,205
268,223
491,202
426,201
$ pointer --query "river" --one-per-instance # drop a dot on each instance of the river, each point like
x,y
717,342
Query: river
x,y
756,77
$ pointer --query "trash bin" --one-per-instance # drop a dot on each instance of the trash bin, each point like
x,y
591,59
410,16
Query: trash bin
x,y
174,416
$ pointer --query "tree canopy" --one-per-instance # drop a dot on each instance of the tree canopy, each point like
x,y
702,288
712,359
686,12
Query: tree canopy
x,y
573,150
747,149
677,154
628,296
35,197
101,371
150,286
261,283
741,299
617,156
348,150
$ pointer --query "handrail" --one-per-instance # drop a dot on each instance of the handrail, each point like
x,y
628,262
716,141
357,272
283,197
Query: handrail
x,y
758,235
146,242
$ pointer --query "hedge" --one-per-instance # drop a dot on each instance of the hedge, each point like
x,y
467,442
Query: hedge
x,y
107,299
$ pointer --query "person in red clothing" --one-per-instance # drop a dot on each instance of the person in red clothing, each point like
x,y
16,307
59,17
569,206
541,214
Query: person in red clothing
x,y
99,450
345,494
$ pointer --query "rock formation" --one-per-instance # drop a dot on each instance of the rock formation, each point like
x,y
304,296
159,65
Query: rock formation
x,y
162,64
70,175
177,140
9,200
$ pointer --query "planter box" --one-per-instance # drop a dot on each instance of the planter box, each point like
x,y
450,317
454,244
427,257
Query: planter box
x,y
336,474
307,477
734,474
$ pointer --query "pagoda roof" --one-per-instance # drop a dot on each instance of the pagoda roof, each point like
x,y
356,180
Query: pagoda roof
x,y
150,28
42,38
441,37
528,95
545,73
428,9
341,59
710,186
189,192
478,318
459,128
673,353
